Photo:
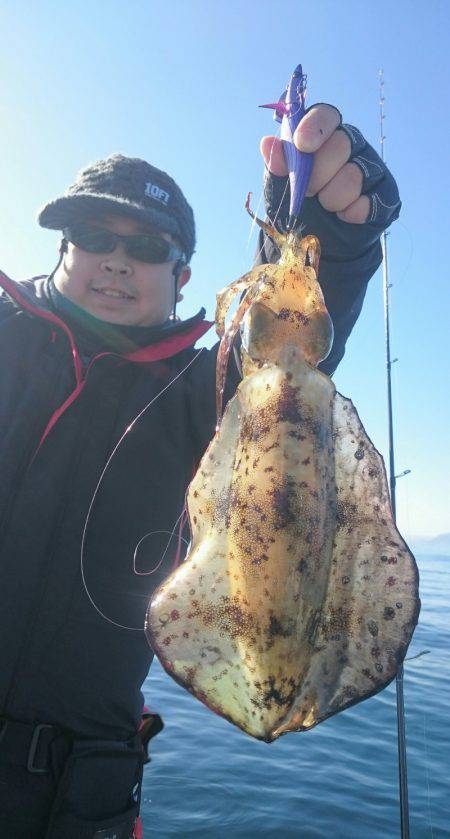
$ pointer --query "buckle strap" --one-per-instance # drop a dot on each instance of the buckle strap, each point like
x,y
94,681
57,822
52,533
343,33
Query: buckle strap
x,y
35,745
32,745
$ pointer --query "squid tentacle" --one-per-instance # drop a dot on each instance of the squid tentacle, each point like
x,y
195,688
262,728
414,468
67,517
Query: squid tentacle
x,y
278,238
230,334
225,296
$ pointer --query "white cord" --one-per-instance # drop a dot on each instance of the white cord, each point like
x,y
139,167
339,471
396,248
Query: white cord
x,y
83,538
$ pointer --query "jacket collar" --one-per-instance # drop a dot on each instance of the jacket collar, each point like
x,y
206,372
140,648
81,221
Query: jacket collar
x,y
31,296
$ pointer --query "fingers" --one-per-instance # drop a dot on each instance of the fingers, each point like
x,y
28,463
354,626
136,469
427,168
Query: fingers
x,y
348,176
343,189
379,203
345,172
328,160
337,183
316,127
272,151
358,212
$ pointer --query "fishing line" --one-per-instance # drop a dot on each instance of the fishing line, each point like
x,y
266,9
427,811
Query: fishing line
x,y
253,222
259,252
418,655
184,518
94,496
170,533
139,573
121,439
261,195
253,225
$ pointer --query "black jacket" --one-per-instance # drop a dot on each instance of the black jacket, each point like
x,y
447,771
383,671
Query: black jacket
x,y
63,662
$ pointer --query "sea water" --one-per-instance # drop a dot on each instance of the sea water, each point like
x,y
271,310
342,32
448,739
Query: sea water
x,y
339,780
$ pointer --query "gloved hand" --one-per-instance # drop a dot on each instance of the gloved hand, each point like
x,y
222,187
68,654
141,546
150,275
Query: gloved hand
x,y
351,198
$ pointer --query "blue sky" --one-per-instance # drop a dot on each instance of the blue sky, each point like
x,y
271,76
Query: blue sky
x,y
179,84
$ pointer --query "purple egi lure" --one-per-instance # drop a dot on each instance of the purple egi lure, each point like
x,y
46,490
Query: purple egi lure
x,y
289,111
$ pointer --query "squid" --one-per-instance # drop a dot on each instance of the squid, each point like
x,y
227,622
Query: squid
x,y
298,597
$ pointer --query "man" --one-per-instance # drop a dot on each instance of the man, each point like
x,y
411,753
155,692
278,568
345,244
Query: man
x,y
89,496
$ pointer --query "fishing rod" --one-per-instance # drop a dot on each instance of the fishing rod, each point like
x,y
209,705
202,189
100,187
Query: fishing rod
x,y
401,733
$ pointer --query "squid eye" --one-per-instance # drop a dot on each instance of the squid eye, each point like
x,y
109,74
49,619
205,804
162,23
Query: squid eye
x,y
309,259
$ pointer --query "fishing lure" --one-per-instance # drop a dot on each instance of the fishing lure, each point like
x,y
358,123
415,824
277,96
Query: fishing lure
x,y
289,110
298,596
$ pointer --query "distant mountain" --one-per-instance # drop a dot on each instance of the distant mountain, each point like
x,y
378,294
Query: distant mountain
x,y
437,545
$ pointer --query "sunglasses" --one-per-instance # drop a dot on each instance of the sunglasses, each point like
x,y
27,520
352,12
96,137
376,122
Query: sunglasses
x,y
145,247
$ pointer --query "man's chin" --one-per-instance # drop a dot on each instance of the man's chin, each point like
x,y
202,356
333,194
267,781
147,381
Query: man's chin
x,y
118,310
124,316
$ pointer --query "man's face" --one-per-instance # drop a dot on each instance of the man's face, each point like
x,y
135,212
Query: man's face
x,y
115,287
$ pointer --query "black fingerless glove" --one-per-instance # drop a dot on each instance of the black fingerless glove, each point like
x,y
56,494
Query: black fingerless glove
x,y
339,240
350,253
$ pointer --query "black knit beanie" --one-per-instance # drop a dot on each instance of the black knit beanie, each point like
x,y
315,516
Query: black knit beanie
x,y
127,186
